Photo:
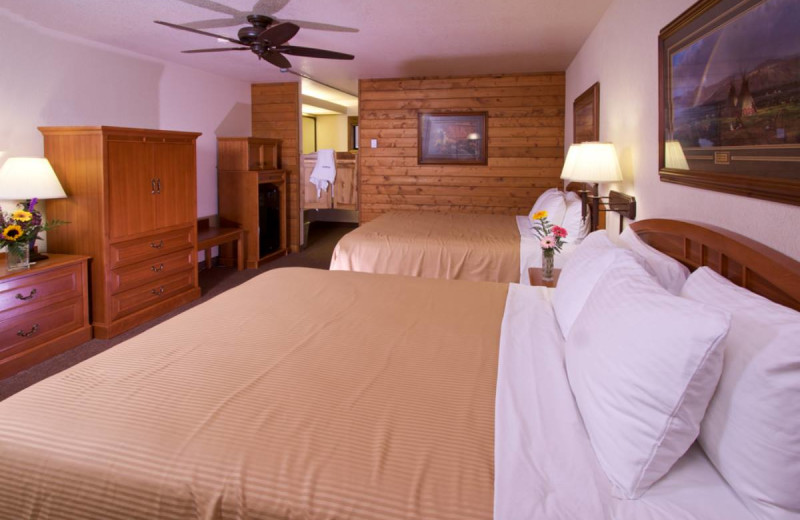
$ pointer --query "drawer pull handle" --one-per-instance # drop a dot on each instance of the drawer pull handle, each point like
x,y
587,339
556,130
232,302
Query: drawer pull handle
x,y
152,186
26,298
158,268
158,292
157,245
31,332
158,186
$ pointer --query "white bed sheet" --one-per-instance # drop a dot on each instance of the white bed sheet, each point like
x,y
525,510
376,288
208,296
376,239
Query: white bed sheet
x,y
545,467
530,252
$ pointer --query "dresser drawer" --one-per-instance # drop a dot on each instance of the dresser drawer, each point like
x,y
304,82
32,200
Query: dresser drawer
x,y
150,247
22,331
37,287
141,297
153,270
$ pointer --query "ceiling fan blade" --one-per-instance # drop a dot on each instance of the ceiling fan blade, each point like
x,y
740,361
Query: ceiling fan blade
x,y
217,50
277,59
278,34
321,26
197,31
267,7
313,53
219,22
213,6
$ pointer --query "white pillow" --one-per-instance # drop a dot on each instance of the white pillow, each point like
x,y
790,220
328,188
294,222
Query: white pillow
x,y
751,431
581,271
552,201
643,365
577,228
670,273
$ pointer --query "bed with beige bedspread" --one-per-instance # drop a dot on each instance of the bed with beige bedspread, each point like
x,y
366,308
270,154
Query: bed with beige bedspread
x,y
454,246
301,394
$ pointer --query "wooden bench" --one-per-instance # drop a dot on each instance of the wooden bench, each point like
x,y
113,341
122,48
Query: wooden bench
x,y
208,237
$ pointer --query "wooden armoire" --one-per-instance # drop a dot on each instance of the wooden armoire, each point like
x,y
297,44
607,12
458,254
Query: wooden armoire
x,y
132,206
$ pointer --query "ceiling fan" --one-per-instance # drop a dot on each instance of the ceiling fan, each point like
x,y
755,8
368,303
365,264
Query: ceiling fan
x,y
266,39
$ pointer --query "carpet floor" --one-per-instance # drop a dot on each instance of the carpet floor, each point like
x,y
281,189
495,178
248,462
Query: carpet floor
x,y
322,238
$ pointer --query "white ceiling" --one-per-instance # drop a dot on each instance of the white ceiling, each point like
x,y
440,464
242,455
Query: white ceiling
x,y
389,38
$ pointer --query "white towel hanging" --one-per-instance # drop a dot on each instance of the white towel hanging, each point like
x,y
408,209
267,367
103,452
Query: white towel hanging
x,y
324,172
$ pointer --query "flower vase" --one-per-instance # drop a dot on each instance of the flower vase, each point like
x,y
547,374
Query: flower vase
x,y
18,258
548,256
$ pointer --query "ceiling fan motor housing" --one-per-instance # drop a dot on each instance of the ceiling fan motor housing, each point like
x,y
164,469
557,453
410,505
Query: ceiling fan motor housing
x,y
248,35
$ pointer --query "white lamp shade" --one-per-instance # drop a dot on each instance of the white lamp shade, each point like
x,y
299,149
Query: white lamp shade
x,y
674,156
593,162
569,161
29,177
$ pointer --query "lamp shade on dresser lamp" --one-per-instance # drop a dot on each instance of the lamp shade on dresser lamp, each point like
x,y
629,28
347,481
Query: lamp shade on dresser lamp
x,y
26,178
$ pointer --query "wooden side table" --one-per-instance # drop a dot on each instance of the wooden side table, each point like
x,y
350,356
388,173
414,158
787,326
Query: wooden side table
x,y
535,275
44,310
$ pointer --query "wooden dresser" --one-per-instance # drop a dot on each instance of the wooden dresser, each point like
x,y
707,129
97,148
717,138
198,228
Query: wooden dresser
x,y
248,175
132,206
44,311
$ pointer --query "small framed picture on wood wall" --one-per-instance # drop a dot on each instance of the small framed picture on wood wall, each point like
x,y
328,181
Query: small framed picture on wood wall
x,y
452,138
586,115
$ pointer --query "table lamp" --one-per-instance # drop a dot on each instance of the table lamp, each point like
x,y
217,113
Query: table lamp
x,y
25,178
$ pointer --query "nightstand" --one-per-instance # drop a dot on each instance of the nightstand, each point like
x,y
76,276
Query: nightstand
x,y
535,275
44,310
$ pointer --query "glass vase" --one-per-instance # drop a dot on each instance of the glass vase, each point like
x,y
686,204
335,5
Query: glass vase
x,y
548,256
18,258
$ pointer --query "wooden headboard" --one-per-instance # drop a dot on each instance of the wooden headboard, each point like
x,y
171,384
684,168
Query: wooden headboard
x,y
745,262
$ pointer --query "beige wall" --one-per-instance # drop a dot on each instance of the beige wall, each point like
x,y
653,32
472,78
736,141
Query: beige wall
x,y
309,131
332,132
622,54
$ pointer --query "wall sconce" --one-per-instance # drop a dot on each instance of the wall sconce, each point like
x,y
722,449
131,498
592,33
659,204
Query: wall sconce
x,y
593,163
25,178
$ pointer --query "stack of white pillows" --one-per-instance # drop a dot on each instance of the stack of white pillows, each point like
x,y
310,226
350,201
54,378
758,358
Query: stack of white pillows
x,y
658,358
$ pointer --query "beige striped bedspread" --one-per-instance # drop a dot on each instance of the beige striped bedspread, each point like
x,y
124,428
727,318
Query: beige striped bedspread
x,y
302,394
455,246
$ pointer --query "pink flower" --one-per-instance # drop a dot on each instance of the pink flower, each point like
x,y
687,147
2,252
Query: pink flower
x,y
548,242
559,232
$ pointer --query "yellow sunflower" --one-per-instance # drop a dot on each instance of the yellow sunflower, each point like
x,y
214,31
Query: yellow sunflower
x,y
539,215
12,233
22,215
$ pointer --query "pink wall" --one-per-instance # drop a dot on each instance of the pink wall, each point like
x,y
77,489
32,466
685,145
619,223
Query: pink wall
x,y
622,54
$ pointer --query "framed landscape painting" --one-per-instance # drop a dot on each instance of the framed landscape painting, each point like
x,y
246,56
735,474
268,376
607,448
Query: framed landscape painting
x,y
730,98
452,138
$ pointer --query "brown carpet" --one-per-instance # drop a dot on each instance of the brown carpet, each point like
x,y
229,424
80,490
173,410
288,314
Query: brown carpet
x,y
322,238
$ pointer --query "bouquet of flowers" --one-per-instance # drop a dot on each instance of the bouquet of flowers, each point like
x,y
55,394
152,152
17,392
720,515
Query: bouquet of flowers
x,y
551,237
21,228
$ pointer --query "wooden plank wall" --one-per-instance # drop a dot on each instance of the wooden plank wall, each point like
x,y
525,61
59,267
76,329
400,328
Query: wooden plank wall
x,y
276,114
526,143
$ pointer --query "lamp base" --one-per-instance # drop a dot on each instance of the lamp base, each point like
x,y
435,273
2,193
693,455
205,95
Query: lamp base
x,y
36,257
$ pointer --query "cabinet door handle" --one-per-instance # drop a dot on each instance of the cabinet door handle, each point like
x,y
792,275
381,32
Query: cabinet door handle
x,y
157,245
158,292
31,332
153,186
158,268
158,186
25,298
